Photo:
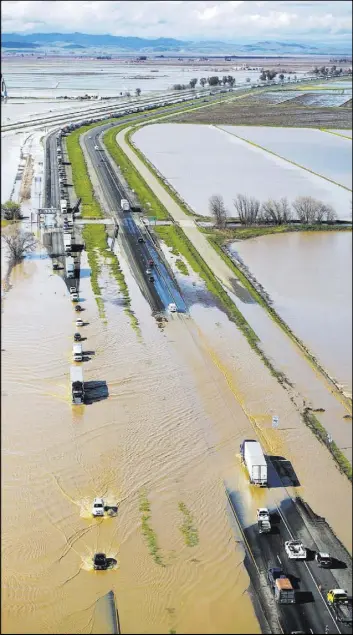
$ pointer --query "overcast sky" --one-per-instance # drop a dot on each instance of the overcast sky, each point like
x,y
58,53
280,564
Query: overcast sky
x,y
227,20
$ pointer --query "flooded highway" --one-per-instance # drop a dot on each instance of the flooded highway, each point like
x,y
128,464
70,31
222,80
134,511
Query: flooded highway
x,y
179,403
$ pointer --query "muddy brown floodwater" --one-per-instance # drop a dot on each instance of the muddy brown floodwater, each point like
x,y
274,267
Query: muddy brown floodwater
x,y
180,402
308,275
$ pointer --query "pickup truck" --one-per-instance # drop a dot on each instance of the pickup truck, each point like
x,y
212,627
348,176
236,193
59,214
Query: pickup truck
x,y
263,520
295,550
341,605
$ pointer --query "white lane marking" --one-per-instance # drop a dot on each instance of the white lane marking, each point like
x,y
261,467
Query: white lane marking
x,y
311,575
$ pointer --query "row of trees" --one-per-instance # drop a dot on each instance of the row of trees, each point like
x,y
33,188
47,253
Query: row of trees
x,y
214,80
251,211
323,71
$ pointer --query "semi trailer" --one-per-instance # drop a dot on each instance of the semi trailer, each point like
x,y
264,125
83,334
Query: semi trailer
x,y
255,462
77,385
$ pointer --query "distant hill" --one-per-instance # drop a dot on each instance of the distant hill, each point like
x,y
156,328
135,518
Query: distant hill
x,y
165,45
20,45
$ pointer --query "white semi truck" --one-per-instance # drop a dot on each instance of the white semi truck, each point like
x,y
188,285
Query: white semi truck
x,y
125,205
77,385
70,267
67,243
253,457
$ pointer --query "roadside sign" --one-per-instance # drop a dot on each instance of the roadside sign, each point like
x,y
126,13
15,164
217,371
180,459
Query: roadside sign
x,y
275,422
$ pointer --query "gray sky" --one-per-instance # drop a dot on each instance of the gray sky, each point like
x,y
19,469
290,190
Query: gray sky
x,y
227,20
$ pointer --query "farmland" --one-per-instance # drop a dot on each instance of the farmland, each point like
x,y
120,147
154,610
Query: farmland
x,y
201,161
249,112
325,154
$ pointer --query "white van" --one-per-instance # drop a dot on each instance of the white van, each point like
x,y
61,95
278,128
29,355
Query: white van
x,y
77,352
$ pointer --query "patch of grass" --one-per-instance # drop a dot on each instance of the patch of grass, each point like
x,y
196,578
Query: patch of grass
x,y
90,207
181,266
148,201
187,528
318,429
243,233
148,532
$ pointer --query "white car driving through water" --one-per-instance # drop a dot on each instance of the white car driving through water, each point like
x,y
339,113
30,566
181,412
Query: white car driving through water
x,y
98,507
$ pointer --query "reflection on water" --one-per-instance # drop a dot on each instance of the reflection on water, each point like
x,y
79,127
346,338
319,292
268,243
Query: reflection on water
x,y
309,278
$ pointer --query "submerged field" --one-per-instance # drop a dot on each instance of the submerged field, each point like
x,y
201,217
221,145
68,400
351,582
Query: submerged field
x,y
202,161
325,154
306,296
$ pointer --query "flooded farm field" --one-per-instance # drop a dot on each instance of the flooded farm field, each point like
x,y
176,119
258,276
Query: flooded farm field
x,y
309,279
75,77
200,161
326,98
327,155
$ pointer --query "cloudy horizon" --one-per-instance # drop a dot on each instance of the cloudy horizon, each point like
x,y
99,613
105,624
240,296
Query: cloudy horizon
x,y
230,20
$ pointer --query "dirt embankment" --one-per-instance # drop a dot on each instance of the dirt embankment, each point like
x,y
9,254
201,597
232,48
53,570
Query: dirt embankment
x,y
246,113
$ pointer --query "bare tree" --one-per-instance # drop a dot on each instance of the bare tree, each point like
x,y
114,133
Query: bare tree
x,y
218,210
306,208
276,212
330,214
19,243
248,209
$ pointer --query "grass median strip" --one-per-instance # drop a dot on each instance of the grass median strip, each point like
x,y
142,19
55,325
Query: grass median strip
x,y
148,532
95,236
318,429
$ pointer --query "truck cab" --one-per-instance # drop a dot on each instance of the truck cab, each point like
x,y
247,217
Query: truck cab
x,y
281,586
263,520
125,205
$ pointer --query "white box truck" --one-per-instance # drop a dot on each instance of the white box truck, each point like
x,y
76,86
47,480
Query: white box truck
x,y
125,205
63,206
253,457
77,385
77,352
70,267
67,243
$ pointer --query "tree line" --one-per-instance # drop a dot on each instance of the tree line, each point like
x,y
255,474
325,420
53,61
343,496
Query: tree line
x,y
214,80
250,211
323,71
